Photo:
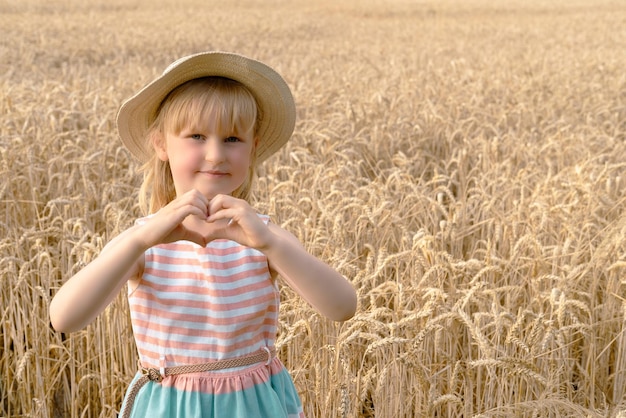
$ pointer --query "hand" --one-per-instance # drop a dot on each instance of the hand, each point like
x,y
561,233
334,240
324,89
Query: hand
x,y
236,220
173,222
191,217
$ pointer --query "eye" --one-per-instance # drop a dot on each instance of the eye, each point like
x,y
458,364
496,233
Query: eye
x,y
232,139
196,137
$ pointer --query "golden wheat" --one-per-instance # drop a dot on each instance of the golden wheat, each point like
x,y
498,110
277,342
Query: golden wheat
x,y
461,162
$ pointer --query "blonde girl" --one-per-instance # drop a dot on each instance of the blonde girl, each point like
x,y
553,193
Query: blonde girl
x,y
201,266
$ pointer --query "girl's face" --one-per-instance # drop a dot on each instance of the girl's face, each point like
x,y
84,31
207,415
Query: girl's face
x,y
207,157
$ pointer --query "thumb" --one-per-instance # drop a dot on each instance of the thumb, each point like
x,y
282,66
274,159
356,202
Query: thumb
x,y
193,236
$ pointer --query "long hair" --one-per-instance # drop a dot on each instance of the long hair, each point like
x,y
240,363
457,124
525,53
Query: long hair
x,y
235,110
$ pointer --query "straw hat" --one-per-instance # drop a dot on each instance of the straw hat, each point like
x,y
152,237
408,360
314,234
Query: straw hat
x,y
275,102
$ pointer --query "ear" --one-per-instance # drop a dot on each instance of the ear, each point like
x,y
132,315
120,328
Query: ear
x,y
160,146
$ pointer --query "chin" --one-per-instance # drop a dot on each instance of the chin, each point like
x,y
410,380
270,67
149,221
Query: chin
x,y
210,194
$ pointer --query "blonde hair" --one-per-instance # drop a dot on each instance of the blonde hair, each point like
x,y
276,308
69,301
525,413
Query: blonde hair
x,y
235,110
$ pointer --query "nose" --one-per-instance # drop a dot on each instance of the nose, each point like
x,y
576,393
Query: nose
x,y
214,150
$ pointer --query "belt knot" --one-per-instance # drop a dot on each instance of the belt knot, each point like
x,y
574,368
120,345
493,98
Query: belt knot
x,y
152,374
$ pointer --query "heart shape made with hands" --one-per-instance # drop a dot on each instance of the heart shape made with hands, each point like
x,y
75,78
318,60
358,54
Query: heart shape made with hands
x,y
201,232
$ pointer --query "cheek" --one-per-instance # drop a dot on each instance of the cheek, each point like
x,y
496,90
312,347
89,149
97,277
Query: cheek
x,y
181,162
243,158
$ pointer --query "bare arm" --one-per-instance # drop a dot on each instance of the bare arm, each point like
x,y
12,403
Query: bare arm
x,y
86,294
320,285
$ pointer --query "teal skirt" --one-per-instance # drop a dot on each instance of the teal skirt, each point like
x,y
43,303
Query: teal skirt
x,y
257,391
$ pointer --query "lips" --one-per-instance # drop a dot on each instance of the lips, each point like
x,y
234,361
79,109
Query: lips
x,y
214,173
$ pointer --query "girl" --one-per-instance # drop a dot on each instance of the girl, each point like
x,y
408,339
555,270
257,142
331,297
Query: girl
x,y
201,267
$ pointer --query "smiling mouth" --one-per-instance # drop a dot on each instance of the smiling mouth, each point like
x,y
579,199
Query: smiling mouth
x,y
214,173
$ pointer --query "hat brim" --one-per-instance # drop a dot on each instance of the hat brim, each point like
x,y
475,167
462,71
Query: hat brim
x,y
275,101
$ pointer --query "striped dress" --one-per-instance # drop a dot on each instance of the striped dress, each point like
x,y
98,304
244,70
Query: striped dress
x,y
197,305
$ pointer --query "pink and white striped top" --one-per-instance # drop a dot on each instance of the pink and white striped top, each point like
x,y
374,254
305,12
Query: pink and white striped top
x,y
195,305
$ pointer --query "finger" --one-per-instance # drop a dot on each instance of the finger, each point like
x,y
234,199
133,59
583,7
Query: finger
x,y
198,199
227,216
223,207
192,203
182,210
221,201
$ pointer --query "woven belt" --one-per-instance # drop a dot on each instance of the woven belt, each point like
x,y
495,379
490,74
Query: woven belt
x,y
266,354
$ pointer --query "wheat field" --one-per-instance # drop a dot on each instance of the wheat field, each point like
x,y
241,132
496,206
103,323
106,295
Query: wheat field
x,y
461,162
